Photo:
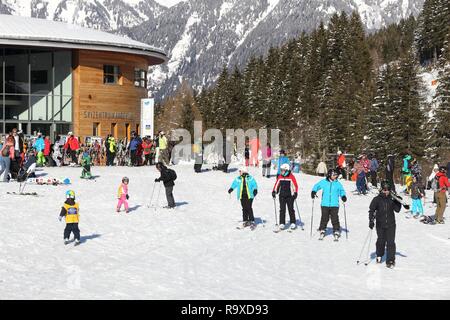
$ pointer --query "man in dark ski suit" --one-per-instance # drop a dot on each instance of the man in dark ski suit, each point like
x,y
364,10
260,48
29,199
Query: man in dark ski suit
x,y
168,177
383,208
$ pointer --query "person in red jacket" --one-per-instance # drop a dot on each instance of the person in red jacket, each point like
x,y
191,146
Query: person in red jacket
x,y
443,185
341,164
47,144
147,148
71,147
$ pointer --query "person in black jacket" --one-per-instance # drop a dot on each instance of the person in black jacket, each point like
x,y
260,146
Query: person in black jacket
x,y
168,177
389,173
382,209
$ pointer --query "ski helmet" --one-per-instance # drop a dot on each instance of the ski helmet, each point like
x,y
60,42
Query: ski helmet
x,y
285,166
442,169
243,169
332,172
386,185
125,179
70,194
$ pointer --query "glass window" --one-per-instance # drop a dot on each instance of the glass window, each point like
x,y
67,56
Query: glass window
x,y
41,107
63,73
111,74
66,109
16,71
16,107
1,77
140,78
10,126
41,72
43,128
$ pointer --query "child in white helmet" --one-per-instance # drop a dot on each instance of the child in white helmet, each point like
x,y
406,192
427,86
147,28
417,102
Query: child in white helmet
x,y
71,211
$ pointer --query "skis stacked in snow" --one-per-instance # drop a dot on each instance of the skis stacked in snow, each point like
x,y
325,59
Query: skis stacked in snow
x,y
48,181
23,193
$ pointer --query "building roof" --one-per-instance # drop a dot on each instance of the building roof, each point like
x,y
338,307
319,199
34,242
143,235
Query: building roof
x,y
16,30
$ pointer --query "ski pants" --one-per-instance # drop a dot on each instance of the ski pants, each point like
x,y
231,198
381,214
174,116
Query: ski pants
x,y
5,163
266,168
327,213
122,200
133,157
110,158
373,176
386,240
72,227
361,183
441,203
342,172
86,172
289,202
417,206
247,210
148,159
73,155
169,196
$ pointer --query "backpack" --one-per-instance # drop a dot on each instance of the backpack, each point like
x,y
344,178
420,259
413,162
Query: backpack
x,y
172,174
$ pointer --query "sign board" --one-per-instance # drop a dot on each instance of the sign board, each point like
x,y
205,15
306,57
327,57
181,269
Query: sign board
x,y
147,117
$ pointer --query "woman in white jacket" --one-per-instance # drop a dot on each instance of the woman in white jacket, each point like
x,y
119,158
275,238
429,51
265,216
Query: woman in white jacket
x,y
321,169
432,182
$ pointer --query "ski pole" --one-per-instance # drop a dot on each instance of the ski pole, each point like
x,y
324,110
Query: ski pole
x,y
363,247
275,212
153,191
345,219
312,217
299,218
368,248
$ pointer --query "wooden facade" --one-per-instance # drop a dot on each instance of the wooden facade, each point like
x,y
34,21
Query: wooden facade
x,y
109,108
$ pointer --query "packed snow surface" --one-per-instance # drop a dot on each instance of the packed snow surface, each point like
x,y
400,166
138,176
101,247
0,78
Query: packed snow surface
x,y
195,251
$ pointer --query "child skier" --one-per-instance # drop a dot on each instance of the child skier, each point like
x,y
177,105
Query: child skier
x,y
246,191
86,165
122,194
332,190
168,177
417,193
285,183
71,211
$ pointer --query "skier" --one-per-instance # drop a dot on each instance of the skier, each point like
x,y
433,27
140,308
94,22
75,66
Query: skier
x,y
39,146
168,176
373,170
443,185
389,171
282,159
332,190
266,153
147,149
321,169
360,171
284,185
247,189
433,183
86,165
417,193
122,195
341,164
406,169
71,146
71,211
382,209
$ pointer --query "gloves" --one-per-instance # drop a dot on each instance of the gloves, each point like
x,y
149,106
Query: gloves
x,y
230,190
255,192
344,199
157,180
295,195
59,218
371,224
274,194
128,197
313,194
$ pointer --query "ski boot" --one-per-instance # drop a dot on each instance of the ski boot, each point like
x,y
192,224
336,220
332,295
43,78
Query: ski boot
x,y
322,235
378,259
336,235
390,264
252,225
66,241
77,242
293,226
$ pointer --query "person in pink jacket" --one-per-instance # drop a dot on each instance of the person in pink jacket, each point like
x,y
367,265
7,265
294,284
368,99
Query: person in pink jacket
x,y
122,195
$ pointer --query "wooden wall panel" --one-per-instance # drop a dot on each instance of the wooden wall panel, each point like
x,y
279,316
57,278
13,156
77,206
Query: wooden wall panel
x,y
92,95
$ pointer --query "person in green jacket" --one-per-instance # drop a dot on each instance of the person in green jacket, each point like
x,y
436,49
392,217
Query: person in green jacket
x,y
86,165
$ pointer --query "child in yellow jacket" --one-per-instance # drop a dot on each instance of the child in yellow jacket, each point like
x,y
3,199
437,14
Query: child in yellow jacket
x,y
71,211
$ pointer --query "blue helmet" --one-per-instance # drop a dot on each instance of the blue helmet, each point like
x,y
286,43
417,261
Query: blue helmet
x,y
70,194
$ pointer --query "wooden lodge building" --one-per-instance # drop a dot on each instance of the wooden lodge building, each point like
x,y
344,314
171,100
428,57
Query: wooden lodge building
x,y
56,78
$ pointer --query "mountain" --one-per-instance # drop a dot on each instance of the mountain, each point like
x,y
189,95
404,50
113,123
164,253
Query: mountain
x,y
201,36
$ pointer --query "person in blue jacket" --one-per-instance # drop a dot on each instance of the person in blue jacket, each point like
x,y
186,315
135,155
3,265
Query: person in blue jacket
x,y
282,159
247,189
332,190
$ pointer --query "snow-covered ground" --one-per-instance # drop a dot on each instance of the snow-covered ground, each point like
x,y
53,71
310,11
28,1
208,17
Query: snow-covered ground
x,y
195,251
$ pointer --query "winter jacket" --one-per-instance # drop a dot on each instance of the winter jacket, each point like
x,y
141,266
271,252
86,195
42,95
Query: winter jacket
x,y
8,149
46,147
134,144
123,190
250,186
282,160
433,182
72,144
71,211
112,145
374,165
382,209
417,190
166,177
162,143
39,145
266,153
406,169
321,168
147,146
443,183
331,192
366,164
341,161
285,184
358,168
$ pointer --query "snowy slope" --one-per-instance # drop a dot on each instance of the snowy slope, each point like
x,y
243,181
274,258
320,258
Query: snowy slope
x,y
195,252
